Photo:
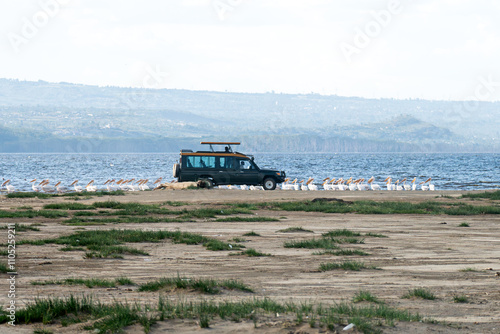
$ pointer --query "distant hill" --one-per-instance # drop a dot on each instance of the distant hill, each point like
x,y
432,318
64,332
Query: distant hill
x,y
62,115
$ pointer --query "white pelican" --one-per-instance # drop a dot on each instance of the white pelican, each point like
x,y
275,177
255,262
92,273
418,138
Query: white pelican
x,y
423,186
326,183
352,184
362,186
90,187
34,186
398,187
303,186
109,184
285,185
389,184
10,188
413,184
123,184
78,189
332,185
59,188
296,186
311,186
244,187
144,185
342,186
372,185
406,186
431,186
132,186
157,182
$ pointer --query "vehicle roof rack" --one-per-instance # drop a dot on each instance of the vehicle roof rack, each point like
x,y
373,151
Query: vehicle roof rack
x,y
219,143
228,145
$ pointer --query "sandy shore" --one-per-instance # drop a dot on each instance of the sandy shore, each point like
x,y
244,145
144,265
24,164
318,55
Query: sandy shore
x,y
427,251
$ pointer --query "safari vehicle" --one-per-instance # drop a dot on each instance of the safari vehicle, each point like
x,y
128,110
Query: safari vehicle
x,y
224,167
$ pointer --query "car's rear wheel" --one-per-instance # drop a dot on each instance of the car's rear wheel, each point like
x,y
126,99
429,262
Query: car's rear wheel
x,y
269,184
206,183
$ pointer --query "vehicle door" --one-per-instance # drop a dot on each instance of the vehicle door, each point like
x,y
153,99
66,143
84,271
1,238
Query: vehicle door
x,y
223,165
245,172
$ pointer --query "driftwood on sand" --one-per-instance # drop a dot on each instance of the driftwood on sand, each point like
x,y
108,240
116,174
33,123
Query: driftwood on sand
x,y
176,185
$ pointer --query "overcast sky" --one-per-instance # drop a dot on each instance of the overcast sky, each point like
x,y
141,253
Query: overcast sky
x,y
434,49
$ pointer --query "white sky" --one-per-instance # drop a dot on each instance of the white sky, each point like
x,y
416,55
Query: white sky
x,y
433,49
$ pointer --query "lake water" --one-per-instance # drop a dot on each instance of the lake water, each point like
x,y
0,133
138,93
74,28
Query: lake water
x,y
448,171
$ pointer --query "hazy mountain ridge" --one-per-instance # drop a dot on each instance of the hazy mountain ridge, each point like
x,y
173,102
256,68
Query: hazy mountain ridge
x,y
65,113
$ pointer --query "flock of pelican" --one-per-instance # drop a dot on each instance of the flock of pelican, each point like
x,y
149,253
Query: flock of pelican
x,y
358,184
142,184
345,184
110,185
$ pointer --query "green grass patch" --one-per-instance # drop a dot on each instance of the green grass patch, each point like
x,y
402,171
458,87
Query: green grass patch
x,y
89,283
375,235
420,293
115,317
68,206
324,243
247,219
367,296
343,252
4,268
251,234
82,194
203,285
33,213
460,299
469,269
493,195
463,225
345,265
22,227
87,221
71,249
387,207
107,243
174,203
251,253
295,229
40,330
341,233
237,239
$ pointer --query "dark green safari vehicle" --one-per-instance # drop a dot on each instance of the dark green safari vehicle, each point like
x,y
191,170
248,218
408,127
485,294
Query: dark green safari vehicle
x,y
224,167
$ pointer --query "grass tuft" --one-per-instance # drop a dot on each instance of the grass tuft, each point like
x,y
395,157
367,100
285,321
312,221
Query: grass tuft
x,y
207,286
420,293
251,234
464,224
343,252
345,265
460,299
364,295
251,253
294,229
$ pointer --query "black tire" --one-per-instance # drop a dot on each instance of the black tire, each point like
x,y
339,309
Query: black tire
x,y
176,170
269,183
206,183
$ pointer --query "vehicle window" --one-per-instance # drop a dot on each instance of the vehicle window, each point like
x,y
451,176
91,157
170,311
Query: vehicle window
x,y
245,164
200,162
223,162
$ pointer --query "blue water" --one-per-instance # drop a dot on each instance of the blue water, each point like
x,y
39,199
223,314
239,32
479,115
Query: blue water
x,y
448,171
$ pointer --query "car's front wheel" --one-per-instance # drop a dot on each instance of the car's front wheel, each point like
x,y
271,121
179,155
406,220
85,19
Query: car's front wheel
x,y
269,184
